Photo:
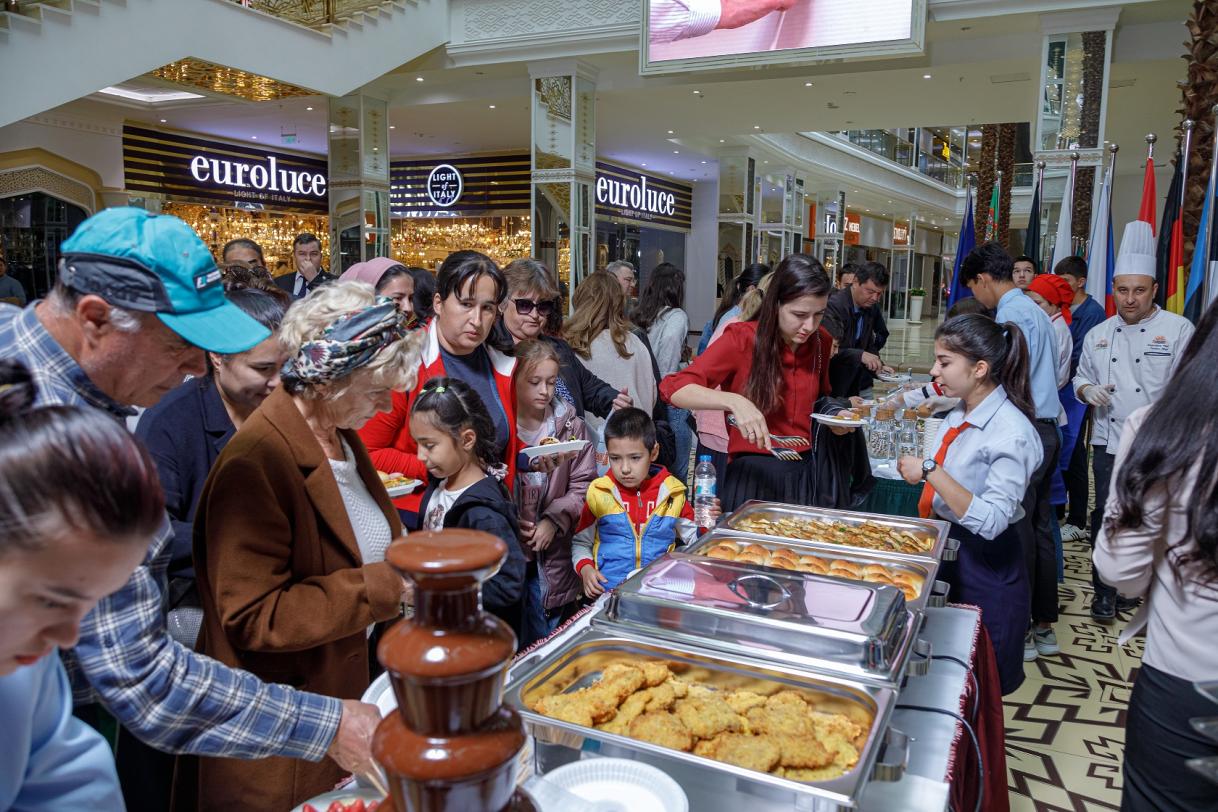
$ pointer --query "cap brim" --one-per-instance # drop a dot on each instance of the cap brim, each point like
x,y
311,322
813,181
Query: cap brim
x,y
226,329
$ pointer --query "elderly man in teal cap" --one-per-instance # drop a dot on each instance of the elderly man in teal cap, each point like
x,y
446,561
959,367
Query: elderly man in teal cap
x,y
138,302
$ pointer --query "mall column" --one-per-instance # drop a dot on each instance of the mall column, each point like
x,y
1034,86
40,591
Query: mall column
x,y
359,180
564,167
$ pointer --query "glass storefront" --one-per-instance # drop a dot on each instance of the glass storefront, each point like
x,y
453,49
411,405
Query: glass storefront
x,y
32,226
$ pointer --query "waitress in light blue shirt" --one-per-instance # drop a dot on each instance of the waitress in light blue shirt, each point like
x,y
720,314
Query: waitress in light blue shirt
x,y
987,451
79,499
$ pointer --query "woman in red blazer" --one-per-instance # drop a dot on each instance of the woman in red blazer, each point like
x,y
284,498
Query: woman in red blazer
x,y
469,290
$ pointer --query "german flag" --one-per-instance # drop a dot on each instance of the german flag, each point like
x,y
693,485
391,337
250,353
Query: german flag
x,y
1170,249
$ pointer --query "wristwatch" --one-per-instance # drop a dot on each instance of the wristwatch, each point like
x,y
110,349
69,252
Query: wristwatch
x,y
928,466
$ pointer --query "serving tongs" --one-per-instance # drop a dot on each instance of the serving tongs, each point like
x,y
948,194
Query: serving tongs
x,y
787,441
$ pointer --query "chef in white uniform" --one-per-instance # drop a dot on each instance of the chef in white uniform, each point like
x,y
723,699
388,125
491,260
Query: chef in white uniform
x,y
1125,364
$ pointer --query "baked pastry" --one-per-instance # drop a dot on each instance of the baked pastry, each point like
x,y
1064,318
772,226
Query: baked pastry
x,y
757,549
753,558
787,553
778,562
726,552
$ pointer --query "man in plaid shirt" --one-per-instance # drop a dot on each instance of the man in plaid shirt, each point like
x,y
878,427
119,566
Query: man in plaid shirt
x,y
138,300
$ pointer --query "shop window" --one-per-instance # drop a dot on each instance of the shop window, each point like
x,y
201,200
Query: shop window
x,y
32,227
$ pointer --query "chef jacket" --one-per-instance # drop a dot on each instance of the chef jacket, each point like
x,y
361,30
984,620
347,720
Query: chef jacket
x,y
1136,360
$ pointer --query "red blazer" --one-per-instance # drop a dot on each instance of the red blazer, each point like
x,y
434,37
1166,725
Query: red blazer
x,y
727,362
387,435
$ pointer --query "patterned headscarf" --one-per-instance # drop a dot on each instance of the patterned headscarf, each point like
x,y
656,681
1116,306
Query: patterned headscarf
x,y
351,342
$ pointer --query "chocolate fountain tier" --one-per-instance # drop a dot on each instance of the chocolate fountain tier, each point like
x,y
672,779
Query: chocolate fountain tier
x,y
470,771
451,746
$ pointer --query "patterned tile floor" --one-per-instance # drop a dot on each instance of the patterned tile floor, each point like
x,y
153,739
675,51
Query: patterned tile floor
x,y
1065,726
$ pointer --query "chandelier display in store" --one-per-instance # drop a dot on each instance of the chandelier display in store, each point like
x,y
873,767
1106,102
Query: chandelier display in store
x,y
427,242
274,232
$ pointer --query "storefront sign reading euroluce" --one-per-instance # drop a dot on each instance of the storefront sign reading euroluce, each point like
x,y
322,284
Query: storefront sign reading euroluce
x,y
182,167
633,195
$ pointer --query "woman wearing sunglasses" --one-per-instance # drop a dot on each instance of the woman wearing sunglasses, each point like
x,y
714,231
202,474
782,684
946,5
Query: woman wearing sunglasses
x,y
531,303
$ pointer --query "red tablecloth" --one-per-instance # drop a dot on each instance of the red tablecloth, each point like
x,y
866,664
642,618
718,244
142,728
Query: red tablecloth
x,y
986,700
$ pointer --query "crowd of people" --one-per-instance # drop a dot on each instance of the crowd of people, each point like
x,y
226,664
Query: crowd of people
x,y
216,582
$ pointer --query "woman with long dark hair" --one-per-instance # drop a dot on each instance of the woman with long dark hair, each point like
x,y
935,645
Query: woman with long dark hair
x,y
729,303
1159,541
770,375
987,452
659,312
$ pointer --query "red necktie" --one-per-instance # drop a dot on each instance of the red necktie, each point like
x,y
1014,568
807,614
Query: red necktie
x,y
928,492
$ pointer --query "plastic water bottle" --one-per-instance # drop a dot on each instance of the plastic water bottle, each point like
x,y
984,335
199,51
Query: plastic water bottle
x,y
704,492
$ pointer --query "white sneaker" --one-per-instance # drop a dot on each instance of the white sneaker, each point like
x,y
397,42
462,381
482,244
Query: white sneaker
x,y
1072,533
1029,647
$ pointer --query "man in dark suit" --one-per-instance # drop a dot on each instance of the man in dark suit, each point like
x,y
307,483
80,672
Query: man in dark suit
x,y
859,312
306,255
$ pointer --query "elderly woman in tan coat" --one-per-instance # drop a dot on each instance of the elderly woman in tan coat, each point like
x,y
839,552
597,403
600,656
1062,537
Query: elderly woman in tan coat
x,y
291,530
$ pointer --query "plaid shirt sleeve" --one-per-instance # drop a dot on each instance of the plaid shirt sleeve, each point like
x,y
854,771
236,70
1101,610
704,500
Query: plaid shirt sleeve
x,y
182,702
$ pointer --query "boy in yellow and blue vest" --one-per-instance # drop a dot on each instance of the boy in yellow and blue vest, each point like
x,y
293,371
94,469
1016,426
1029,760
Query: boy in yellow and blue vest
x,y
634,514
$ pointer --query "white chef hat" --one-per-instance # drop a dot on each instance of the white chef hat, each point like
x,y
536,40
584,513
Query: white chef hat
x,y
1137,254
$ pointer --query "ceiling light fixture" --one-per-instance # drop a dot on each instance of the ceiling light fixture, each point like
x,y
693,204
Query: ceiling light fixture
x,y
704,162
149,96
164,121
309,109
254,137
676,152
756,126
491,106
807,84
722,141
393,126
926,76
670,132
418,78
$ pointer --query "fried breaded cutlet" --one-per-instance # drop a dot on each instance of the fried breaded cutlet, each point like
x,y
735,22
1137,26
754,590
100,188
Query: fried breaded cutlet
x,y
779,720
649,700
802,751
596,703
741,701
663,729
706,714
751,752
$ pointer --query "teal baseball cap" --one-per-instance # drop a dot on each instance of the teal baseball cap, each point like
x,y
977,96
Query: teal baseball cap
x,y
155,263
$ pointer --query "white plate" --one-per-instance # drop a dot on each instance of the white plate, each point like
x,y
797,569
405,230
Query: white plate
x,y
404,488
830,420
894,377
380,693
628,785
347,796
535,451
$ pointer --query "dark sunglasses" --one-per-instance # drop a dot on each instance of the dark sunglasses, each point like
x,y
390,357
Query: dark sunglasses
x,y
525,306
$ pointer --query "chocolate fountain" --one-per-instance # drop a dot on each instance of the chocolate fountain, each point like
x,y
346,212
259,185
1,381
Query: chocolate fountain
x,y
452,746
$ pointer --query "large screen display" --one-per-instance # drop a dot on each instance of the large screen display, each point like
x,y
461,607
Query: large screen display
x,y
681,35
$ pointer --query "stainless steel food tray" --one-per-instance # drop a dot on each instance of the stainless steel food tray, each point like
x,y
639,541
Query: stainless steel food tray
x,y
932,594
578,661
942,548
827,625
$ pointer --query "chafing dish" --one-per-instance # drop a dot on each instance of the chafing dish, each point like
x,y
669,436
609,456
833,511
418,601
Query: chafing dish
x,y
577,661
850,628
933,593
940,547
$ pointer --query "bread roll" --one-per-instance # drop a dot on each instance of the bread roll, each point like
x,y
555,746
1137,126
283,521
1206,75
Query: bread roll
x,y
752,558
726,552
849,568
876,569
756,549
814,564
788,554
782,563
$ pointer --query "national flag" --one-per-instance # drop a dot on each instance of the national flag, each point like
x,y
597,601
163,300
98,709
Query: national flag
x,y
1204,261
1101,257
1146,213
991,216
1031,239
1063,246
968,240
1169,252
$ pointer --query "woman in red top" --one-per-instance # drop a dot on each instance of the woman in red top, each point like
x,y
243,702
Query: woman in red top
x,y
469,290
774,391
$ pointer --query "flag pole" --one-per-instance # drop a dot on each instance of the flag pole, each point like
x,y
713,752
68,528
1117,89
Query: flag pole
x,y
1207,291
1073,191
1188,124
1040,204
1151,138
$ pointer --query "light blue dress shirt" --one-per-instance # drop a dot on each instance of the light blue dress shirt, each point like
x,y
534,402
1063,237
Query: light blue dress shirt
x,y
994,460
1017,308
52,760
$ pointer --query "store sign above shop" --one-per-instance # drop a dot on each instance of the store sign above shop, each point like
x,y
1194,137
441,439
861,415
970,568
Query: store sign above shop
x,y
627,195
632,195
264,177
444,185
186,168
900,234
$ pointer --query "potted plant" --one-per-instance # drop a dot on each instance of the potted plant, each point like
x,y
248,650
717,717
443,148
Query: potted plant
x,y
916,297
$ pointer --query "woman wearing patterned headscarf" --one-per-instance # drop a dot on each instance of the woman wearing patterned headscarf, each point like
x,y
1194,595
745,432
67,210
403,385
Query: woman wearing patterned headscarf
x,y
291,530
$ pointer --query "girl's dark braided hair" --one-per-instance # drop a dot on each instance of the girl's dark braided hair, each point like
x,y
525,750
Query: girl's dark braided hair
x,y
453,406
